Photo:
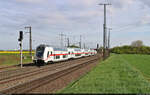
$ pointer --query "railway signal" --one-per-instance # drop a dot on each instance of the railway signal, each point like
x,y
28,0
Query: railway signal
x,y
20,36
20,44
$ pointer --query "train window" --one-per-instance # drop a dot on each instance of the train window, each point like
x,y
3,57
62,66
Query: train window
x,y
48,54
51,52
64,56
69,53
57,57
77,54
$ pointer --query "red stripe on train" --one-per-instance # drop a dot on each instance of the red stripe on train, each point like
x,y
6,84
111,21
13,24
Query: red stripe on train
x,y
63,54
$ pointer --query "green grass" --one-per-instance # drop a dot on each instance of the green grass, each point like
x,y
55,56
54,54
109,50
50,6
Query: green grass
x,y
13,59
140,63
115,75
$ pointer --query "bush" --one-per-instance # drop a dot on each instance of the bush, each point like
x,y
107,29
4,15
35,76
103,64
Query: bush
x,y
131,50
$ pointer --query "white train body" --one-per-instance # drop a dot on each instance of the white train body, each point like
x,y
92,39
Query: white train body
x,y
45,54
71,53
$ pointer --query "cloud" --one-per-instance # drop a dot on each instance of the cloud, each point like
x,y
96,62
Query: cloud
x,y
73,17
145,19
145,2
83,2
31,1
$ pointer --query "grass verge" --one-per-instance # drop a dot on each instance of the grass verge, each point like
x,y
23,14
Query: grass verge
x,y
13,59
115,75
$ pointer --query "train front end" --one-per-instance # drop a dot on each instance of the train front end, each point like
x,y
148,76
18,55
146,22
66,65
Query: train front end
x,y
39,55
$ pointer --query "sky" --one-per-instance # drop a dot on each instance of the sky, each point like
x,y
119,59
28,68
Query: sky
x,y
129,20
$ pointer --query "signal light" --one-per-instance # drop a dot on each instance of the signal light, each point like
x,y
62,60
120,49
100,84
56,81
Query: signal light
x,y
20,36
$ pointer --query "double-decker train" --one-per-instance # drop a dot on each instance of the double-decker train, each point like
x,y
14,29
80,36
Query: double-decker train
x,y
47,54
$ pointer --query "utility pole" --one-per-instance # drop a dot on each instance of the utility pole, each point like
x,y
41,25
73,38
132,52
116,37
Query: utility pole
x,y
104,33
106,39
109,41
68,42
84,46
61,38
80,41
65,40
109,38
30,39
97,46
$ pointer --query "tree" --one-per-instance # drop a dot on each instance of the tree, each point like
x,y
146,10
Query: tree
x,y
74,46
137,43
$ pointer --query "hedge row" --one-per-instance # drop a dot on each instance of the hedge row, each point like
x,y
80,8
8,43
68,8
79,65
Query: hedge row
x,y
131,50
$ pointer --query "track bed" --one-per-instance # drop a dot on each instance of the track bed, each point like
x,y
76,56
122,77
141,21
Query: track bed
x,y
28,80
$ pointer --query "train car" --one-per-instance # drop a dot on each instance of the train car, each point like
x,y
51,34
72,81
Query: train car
x,y
77,52
71,53
92,52
89,52
86,52
83,52
74,53
46,53
95,52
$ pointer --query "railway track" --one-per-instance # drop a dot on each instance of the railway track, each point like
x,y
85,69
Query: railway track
x,y
12,73
6,67
12,66
10,84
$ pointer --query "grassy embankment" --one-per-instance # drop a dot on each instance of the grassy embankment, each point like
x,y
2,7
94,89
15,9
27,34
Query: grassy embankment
x,y
13,58
118,74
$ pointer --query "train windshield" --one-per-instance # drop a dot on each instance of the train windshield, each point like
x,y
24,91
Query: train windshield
x,y
40,51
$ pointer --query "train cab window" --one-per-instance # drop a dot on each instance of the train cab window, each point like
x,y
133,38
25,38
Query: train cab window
x,y
40,51
51,52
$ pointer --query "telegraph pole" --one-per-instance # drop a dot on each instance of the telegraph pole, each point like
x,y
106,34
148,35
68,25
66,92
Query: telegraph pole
x,y
104,33
30,39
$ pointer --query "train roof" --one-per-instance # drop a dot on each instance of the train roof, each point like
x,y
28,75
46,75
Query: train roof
x,y
77,49
59,49
54,48
43,45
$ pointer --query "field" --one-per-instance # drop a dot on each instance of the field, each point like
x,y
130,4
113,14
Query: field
x,y
13,58
118,74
